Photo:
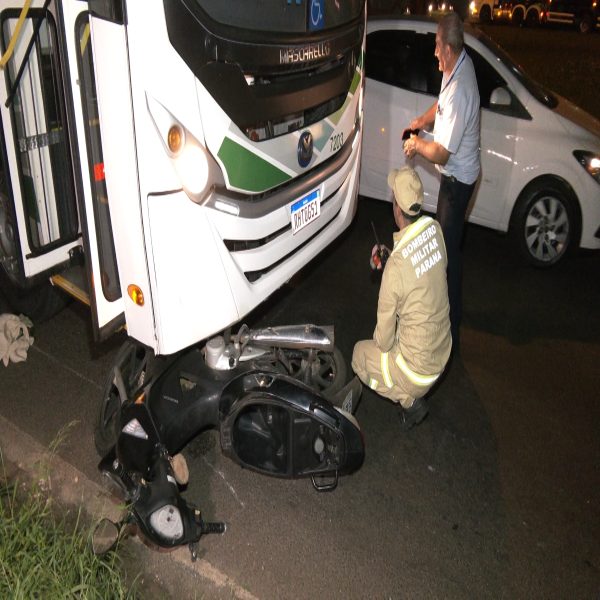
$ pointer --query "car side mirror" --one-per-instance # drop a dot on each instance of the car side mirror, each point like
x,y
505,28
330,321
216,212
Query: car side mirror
x,y
500,97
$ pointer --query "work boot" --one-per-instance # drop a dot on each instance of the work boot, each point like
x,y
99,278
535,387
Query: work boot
x,y
409,417
347,398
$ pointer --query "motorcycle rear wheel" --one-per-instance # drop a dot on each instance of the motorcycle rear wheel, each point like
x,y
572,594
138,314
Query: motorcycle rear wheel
x,y
325,372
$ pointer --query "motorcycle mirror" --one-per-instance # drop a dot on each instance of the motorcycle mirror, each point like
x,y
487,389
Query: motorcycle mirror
x,y
105,537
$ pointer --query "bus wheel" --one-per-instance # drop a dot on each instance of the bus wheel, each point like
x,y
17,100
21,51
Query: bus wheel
x,y
40,302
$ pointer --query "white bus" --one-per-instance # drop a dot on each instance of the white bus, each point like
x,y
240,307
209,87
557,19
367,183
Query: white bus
x,y
174,162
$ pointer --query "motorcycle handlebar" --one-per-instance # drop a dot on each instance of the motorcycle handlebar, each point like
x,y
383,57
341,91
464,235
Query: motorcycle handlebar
x,y
213,527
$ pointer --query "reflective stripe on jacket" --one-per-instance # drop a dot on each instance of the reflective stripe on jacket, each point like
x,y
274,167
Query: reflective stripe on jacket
x,y
416,378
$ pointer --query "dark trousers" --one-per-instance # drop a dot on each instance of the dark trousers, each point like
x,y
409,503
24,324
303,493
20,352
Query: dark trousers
x,y
453,199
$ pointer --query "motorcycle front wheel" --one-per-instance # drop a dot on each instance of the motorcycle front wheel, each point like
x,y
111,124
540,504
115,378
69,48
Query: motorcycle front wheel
x,y
126,376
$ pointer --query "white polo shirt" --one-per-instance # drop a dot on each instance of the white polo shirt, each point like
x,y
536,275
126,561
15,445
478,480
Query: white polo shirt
x,y
456,125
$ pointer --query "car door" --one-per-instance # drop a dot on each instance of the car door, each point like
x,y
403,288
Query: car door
x,y
499,127
402,81
390,104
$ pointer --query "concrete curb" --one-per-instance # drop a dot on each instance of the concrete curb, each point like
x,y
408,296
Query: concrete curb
x,y
70,487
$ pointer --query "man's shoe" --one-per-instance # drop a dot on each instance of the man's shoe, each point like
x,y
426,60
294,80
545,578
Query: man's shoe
x,y
347,398
409,417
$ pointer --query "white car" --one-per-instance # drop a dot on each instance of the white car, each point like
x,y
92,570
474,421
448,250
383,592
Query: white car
x,y
540,154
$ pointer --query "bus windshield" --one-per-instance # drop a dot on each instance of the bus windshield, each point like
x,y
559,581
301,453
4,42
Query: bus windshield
x,y
282,16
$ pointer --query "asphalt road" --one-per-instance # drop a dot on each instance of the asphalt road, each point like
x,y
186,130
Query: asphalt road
x,y
494,495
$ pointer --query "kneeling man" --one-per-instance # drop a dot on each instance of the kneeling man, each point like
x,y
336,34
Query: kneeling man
x,y
412,341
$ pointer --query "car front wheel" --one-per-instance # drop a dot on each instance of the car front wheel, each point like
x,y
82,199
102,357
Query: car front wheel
x,y
544,223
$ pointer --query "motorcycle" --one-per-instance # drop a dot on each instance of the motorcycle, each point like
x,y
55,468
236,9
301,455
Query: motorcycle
x,y
267,391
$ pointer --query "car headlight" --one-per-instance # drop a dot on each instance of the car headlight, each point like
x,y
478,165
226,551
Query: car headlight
x,y
590,161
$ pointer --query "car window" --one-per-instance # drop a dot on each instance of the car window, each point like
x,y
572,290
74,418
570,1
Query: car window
x,y
533,87
488,79
403,59
406,59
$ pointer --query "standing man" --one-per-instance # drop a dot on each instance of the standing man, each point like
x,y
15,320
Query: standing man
x,y
454,149
412,342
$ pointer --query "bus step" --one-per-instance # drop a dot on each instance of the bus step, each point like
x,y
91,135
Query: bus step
x,y
73,281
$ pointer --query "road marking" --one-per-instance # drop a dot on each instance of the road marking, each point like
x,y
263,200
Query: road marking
x,y
222,476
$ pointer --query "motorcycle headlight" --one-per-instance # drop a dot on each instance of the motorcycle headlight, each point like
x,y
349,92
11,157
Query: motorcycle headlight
x,y
167,522
590,161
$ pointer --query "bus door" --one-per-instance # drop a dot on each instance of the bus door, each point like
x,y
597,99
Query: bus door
x,y
52,158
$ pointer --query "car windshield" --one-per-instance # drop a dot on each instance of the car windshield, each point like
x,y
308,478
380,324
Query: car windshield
x,y
538,91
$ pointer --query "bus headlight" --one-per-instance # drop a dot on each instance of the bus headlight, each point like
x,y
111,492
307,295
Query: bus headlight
x,y
590,161
195,168
192,168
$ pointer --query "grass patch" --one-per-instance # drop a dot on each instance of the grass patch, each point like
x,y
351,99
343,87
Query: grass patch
x,y
43,555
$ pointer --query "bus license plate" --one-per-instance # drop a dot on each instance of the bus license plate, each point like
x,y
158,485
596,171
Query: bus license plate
x,y
305,210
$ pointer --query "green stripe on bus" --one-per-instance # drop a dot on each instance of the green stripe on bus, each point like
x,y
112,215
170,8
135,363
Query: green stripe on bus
x,y
355,82
336,116
247,171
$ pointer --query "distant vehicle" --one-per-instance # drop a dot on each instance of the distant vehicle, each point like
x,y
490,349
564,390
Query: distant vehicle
x,y
540,154
481,11
439,9
520,12
583,14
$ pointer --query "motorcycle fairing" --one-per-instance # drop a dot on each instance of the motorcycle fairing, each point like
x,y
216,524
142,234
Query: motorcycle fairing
x,y
275,425
268,422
